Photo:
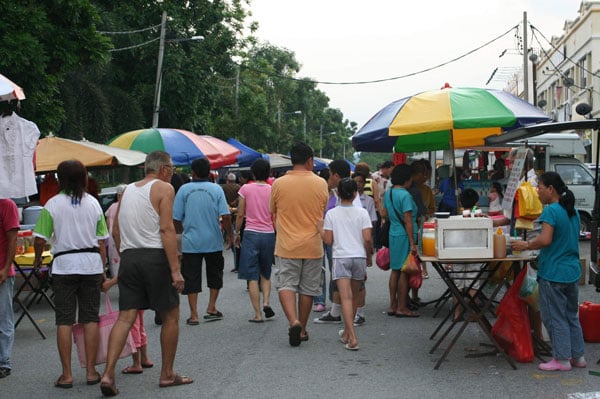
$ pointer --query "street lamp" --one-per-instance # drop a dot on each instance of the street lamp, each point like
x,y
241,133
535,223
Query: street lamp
x,y
321,149
159,66
295,113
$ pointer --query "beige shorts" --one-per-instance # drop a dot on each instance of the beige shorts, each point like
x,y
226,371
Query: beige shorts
x,y
303,276
464,274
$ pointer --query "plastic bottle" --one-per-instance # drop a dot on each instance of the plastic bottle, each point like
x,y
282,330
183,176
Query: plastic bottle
x,y
28,241
499,244
428,239
20,243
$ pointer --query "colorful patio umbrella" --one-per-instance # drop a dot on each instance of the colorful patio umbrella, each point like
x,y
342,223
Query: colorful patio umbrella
x,y
445,119
10,90
183,146
247,155
51,151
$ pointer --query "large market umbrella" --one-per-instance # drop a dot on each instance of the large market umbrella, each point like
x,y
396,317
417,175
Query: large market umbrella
x,y
51,151
445,119
183,146
247,155
9,90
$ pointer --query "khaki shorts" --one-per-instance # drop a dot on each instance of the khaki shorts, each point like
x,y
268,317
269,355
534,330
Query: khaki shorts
x,y
303,276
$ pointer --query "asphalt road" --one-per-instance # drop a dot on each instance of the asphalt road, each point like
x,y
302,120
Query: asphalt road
x,y
233,358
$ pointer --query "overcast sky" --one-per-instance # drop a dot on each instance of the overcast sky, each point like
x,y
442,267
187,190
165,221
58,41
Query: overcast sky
x,y
359,40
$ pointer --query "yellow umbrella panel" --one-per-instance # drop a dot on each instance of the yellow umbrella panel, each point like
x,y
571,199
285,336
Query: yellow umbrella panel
x,y
51,151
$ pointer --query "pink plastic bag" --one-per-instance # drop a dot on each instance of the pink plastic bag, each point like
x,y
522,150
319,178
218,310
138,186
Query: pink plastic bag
x,y
382,259
105,325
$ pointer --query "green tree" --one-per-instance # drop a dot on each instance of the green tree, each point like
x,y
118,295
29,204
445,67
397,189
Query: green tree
x,y
42,42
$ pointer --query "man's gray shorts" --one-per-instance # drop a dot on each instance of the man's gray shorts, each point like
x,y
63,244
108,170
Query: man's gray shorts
x,y
303,276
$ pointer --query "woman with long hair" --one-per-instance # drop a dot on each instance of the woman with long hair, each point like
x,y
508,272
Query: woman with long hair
x,y
559,272
74,221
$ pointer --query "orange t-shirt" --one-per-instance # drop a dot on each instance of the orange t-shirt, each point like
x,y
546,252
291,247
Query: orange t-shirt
x,y
298,202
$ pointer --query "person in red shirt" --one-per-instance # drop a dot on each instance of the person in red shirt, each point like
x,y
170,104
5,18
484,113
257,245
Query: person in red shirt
x,y
9,226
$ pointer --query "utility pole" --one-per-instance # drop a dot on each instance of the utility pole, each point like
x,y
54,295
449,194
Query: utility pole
x,y
157,87
525,59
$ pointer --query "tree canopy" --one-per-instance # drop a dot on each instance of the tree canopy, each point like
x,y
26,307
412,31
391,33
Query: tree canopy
x,y
88,68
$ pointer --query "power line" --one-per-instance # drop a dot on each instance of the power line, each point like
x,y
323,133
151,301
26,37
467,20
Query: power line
x,y
134,46
534,29
130,31
392,78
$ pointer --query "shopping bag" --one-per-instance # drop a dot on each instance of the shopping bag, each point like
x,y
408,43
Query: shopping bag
x,y
382,259
529,291
105,325
411,265
529,204
415,280
512,330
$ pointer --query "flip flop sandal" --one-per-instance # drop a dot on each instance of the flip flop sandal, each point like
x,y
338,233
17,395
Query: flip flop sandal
x,y
256,320
64,385
178,380
294,334
213,316
191,322
95,380
268,312
109,389
351,348
131,370
147,365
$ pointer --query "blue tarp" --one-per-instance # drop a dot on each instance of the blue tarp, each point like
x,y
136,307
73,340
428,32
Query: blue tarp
x,y
248,155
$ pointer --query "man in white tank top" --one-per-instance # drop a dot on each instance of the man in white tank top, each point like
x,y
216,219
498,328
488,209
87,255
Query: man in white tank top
x,y
145,235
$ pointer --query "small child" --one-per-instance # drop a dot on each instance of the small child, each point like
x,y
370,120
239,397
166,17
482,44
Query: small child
x,y
348,229
495,197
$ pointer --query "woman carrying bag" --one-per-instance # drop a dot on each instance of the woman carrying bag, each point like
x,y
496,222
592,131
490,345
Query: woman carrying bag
x,y
400,208
74,221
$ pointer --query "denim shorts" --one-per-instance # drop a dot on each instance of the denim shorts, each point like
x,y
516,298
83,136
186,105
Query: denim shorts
x,y
256,256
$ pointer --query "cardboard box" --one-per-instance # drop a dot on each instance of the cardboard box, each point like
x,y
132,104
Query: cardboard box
x,y
583,271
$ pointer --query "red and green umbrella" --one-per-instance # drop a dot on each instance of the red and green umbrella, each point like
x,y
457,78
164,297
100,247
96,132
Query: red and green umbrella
x,y
445,119
183,146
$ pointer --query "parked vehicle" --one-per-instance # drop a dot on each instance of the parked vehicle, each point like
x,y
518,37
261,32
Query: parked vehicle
x,y
557,152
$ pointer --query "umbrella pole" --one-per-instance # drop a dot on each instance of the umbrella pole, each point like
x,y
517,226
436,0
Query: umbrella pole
x,y
454,170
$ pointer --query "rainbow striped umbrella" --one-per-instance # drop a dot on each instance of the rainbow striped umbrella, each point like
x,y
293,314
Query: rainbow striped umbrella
x,y
183,146
445,119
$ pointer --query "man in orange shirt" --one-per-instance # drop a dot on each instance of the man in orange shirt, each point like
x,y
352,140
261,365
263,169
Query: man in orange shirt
x,y
298,201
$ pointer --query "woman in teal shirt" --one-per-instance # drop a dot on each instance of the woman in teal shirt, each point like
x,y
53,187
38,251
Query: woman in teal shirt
x,y
401,210
559,272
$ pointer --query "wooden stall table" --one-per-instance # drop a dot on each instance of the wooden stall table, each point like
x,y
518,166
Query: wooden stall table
x,y
35,288
474,308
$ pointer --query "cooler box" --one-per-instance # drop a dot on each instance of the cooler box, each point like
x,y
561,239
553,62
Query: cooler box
x,y
589,317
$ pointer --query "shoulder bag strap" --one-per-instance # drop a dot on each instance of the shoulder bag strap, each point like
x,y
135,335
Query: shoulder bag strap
x,y
395,211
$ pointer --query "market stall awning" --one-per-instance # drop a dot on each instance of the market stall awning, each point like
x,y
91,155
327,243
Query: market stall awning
x,y
51,151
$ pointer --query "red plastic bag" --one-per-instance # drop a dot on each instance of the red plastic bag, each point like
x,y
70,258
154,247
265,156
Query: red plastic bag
x,y
415,280
382,259
512,329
